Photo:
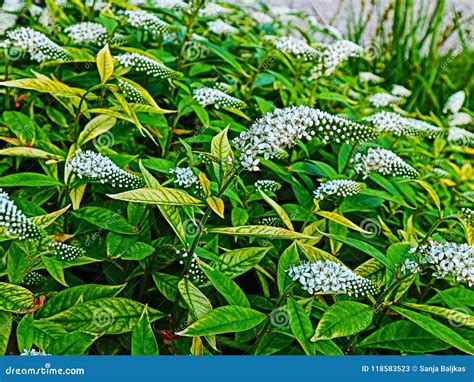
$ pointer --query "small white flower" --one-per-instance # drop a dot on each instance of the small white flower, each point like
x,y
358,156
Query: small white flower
x,y
33,278
146,21
37,44
33,352
267,185
65,252
15,221
333,55
383,162
282,128
459,136
338,187
459,119
214,10
271,221
331,277
450,260
167,4
194,272
297,48
95,166
145,64
454,102
209,96
410,266
131,92
401,91
221,27
88,33
384,99
369,77
261,18
184,177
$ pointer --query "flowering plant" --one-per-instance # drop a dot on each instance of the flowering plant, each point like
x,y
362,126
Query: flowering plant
x,y
174,173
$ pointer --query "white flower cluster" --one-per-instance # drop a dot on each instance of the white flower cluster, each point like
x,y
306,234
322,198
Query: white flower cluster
x,y
459,119
331,277
97,5
333,55
142,63
65,252
95,166
8,17
384,100
88,33
166,4
184,177
268,185
223,87
271,221
370,78
395,123
33,278
409,266
37,44
454,102
282,128
401,91
195,273
15,221
338,187
131,92
440,173
261,18
468,215
33,352
221,27
460,137
214,10
450,259
383,162
209,96
297,48
146,21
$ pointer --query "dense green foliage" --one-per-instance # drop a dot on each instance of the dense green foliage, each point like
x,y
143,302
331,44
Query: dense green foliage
x,y
134,222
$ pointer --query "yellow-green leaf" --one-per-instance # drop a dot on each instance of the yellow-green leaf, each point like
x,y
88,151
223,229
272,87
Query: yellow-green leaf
x,y
158,196
339,219
105,64
95,127
279,210
216,204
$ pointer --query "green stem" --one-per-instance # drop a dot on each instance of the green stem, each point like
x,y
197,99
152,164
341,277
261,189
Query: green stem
x,y
268,320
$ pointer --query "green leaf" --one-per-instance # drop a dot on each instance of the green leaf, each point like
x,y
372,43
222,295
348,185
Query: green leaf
x,y
15,299
261,231
95,127
28,179
166,284
221,150
238,261
23,127
239,216
225,55
107,219
431,192
24,332
225,319
229,289
112,315
196,301
46,220
143,338
403,336
6,328
159,196
216,204
288,258
300,325
437,329
74,343
362,246
343,319
46,334
339,219
105,64
45,85
456,317
55,268
279,210
67,298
